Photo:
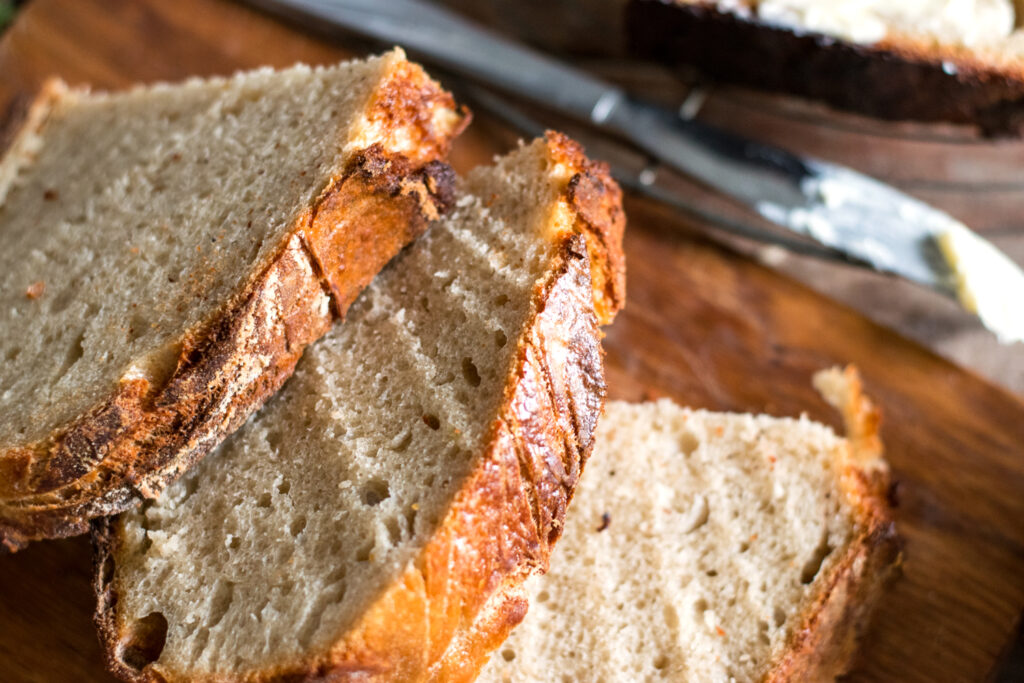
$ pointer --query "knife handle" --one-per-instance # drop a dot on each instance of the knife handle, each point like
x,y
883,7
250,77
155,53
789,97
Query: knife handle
x,y
463,47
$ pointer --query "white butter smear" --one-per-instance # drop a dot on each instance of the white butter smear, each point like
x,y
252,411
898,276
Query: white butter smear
x,y
988,282
962,22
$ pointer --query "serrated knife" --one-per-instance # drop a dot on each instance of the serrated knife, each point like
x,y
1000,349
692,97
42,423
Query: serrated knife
x,y
847,211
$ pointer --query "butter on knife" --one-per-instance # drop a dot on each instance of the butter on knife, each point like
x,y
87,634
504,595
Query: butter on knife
x,y
988,283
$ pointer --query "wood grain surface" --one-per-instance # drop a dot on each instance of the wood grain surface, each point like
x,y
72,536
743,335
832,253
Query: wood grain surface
x,y
703,324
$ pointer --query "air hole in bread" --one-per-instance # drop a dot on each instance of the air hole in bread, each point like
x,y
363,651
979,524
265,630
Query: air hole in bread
x,y
431,421
661,662
364,553
814,562
410,519
394,530
375,491
137,327
264,500
508,654
501,300
275,439
145,641
470,372
75,352
779,617
233,542
543,596
63,299
296,526
700,606
223,596
500,338
671,617
688,443
712,573
284,487
762,632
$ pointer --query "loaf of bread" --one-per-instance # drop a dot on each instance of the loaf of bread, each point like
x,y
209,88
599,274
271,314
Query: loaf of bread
x,y
929,60
169,252
376,519
926,60
711,547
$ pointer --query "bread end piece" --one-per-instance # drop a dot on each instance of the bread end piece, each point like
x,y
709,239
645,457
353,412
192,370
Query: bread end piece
x,y
824,644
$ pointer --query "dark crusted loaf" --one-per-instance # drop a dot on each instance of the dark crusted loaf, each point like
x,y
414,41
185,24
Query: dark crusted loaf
x,y
897,79
901,78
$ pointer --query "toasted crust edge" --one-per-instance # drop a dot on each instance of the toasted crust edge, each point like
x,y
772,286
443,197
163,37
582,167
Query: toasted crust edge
x,y
901,78
188,396
823,645
440,619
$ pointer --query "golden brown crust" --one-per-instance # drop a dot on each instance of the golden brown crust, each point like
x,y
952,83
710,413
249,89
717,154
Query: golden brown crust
x,y
900,78
597,201
187,397
821,648
440,619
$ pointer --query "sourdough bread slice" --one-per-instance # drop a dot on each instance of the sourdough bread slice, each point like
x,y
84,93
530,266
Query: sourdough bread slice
x,y
375,520
932,60
925,60
169,252
712,547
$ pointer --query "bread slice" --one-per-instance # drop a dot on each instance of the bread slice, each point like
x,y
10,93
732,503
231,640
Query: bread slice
x,y
712,547
169,252
376,519
927,61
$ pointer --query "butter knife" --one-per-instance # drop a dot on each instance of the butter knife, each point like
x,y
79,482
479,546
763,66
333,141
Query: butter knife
x,y
844,210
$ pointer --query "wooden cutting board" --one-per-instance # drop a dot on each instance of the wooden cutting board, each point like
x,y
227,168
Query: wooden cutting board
x,y
703,325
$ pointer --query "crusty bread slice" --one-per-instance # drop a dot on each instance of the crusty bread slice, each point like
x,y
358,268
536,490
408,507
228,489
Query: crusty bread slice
x,y
376,519
712,547
169,252
940,61
937,61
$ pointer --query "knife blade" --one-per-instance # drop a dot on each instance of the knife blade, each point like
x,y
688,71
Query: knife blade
x,y
836,206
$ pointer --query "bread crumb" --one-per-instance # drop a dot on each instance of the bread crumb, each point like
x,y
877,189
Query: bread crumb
x,y
50,195
35,290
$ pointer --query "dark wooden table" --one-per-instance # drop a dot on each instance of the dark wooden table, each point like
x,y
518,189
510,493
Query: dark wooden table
x,y
704,324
